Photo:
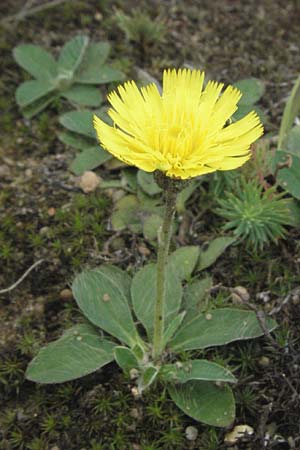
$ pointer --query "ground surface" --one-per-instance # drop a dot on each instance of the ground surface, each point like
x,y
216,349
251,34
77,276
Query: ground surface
x,y
45,216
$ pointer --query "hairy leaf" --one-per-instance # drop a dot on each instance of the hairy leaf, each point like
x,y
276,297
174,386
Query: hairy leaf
x,y
103,302
205,402
80,351
37,61
89,159
218,327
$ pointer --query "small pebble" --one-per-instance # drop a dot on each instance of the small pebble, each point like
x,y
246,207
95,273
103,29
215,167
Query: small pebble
x,y
51,212
240,294
66,294
191,433
133,373
144,251
89,182
238,433
264,361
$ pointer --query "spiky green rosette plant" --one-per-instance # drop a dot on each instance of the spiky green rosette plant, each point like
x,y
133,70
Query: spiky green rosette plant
x,y
151,320
80,66
255,216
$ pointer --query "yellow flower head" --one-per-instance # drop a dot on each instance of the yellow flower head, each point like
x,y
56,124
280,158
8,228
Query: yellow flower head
x,y
182,132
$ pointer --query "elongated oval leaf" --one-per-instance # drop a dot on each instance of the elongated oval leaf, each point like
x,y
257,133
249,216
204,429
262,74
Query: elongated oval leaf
x,y
126,214
147,378
218,327
75,140
35,60
143,293
197,369
72,55
80,351
205,402
147,183
172,327
125,358
252,89
90,68
151,225
109,74
289,178
104,304
184,260
89,159
83,95
30,91
38,106
79,121
120,277
215,249
194,296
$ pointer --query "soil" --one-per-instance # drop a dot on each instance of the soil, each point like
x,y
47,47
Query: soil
x,y
45,216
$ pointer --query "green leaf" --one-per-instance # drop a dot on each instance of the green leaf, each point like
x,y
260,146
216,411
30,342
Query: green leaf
x,y
151,225
129,178
147,378
292,141
30,91
205,402
89,159
143,294
194,296
83,95
71,56
185,194
108,75
294,211
35,60
75,140
213,251
218,327
288,178
183,261
103,302
80,351
125,358
91,66
80,122
147,183
290,112
126,214
38,106
252,90
197,369
243,110
173,327
120,277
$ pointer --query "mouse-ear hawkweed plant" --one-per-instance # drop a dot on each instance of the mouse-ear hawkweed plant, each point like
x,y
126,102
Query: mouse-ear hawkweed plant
x,y
179,134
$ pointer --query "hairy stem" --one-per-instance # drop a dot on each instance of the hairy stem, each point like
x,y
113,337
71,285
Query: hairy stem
x,y
162,256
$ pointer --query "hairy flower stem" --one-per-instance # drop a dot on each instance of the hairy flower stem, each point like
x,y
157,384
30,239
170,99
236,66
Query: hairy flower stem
x,y
163,250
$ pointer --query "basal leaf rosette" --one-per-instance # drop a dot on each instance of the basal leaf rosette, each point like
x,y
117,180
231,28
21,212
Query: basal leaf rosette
x,y
183,132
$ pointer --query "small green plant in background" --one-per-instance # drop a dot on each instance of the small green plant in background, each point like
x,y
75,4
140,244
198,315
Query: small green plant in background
x,y
140,28
151,320
80,66
255,215
80,134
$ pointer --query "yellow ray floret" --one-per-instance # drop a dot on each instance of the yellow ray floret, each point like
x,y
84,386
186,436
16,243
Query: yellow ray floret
x,y
184,131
